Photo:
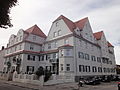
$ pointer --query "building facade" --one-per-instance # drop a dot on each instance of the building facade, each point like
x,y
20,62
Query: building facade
x,y
2,53
71,48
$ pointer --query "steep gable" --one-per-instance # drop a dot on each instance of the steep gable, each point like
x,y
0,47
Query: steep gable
x,y
72,25
109,44
81,23
68,22
98,35
36,31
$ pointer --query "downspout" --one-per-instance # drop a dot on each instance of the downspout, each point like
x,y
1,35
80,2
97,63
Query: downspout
x,y
75,55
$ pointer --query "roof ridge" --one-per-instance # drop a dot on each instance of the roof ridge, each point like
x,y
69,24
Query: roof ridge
x,y
36,30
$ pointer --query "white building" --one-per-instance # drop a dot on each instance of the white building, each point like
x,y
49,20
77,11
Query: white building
x,y
2,53
70,48
23,50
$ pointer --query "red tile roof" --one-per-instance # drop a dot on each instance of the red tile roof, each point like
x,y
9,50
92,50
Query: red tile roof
x,y
81,23
98,35
72,25
109,44
36,31
67,45
50,51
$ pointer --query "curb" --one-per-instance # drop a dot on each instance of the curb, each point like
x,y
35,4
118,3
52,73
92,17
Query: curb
x,y
20,86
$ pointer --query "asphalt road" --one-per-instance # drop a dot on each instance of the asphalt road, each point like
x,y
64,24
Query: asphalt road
x,y
4,86
68,86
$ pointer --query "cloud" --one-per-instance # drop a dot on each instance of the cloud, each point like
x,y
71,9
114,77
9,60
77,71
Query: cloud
x,y
103,15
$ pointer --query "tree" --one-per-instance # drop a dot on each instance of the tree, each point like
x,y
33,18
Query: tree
x,y
5,6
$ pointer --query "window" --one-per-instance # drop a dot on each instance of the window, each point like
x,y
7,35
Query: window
x,y
104,69
98,59
110,62
61,65
62,52
30,69
34,37
68,52
81,55
68,67
55,45
59,32
93,58
99,69
49,46
42,58
54,34
31,47
56,24
15,48
66,41
20,47
31,57
86,56
28,57
87,68
82,68
16,39
20,38
48,56
54,55
94,69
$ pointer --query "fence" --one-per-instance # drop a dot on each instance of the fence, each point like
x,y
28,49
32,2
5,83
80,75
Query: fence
x,y
25,78
57,79
33,79
4,76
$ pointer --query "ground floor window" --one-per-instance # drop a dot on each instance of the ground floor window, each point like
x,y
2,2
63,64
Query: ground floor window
x,y
61,65
67,67
30,69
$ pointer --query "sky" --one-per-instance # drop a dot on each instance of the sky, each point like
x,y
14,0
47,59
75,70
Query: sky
x,y
103,15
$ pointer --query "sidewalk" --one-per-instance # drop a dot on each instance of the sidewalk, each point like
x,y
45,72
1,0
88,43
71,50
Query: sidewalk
x,y
66,86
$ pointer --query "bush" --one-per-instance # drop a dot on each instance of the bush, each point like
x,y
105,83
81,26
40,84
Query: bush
x,y
47,75
39,72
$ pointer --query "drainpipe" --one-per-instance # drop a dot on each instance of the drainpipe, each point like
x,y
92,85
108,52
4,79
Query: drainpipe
x,y
75,54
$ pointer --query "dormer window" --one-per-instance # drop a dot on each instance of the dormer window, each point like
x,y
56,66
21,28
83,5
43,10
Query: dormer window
x,y
31,47
66,41
54,34
20,38
34,37
55,44
59,32
56,24
49,46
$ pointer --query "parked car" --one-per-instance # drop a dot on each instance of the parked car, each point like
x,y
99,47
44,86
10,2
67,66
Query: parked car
x,y
92,81
118,85
106,79
115,78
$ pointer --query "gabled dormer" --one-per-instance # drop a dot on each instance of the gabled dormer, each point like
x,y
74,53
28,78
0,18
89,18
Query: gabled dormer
x,y
34,34
101,40
62,26
83,28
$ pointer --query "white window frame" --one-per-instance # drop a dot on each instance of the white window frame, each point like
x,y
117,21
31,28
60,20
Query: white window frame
x,y
59,33
55,34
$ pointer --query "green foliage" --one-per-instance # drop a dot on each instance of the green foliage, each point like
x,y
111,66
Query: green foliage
x,y
47,75
5,6
39,72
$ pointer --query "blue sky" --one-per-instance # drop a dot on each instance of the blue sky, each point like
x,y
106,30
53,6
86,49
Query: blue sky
x,y
102,14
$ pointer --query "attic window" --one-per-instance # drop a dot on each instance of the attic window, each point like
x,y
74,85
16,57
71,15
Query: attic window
x,y
59,32
34,37
56,24
54,34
